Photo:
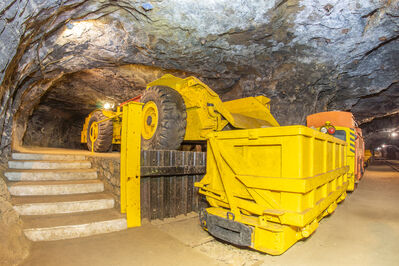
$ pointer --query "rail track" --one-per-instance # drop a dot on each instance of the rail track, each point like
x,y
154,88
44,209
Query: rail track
x,y
393,164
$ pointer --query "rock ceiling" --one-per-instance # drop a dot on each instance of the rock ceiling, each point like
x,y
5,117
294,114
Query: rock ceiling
x,y
307,56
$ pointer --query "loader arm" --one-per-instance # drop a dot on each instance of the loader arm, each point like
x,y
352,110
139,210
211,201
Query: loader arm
x,y
207,113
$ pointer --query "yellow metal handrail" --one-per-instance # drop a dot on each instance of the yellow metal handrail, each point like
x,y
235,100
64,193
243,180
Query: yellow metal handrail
x,y
130,162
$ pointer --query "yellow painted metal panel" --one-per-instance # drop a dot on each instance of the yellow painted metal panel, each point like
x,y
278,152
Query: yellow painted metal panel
x,y
123,169
278,181
350,156
130,163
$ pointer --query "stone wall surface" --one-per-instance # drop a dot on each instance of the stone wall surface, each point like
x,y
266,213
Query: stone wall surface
x,y
306,55
108,170
14,246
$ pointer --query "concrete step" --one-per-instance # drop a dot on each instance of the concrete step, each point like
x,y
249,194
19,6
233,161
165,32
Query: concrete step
x,y
47,157
43,205
50,174
32,188
29,164
72,225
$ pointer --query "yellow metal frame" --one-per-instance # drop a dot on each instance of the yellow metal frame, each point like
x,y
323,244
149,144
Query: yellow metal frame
x,y
206,113
130,163
279,181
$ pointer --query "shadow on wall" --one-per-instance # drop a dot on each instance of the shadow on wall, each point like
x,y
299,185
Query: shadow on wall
x,y
49,127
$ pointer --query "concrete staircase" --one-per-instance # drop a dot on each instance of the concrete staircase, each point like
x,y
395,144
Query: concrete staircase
x,y
59,197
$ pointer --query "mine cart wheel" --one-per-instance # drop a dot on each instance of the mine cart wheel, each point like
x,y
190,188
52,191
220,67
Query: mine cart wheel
x,y
102,133
164,119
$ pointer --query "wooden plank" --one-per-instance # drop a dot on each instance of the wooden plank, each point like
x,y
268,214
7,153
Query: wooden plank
x,y
160,195
153,188
181,192
172,170
186,185
142,190
176,157
166,186
148,187
190,185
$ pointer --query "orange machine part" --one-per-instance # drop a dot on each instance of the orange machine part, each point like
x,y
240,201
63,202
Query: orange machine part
x,y
337,118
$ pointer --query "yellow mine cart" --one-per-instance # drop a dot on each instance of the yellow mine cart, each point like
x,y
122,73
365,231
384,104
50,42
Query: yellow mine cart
x,y
270,187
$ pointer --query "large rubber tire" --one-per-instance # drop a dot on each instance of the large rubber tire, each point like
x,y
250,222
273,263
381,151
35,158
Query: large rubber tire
x,y
103,143
172,119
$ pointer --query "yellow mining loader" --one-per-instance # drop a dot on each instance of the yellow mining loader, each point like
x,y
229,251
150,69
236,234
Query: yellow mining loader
x,y
175,111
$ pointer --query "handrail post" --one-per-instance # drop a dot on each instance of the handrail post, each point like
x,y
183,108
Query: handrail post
x,y
130,163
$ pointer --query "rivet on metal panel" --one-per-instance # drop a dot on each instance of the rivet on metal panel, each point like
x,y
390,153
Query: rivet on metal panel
x,y
262,220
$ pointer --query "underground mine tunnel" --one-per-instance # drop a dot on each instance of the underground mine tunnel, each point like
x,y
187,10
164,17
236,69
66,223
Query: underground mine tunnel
x,y
266,185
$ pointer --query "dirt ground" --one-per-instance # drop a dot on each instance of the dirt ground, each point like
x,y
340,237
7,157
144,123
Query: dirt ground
x,y
364,230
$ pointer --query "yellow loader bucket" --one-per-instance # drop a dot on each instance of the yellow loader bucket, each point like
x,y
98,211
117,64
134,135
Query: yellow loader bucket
x,y
206,112
270,187
251,112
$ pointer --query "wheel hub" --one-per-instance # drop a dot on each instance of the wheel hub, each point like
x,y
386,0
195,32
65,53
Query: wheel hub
x,y
93,132
150,120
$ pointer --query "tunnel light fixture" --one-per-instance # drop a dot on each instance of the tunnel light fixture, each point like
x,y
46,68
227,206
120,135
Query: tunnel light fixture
x,y
394,134
108,105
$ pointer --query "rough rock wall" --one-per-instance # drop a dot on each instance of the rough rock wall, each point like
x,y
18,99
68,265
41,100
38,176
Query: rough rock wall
x,y
14,246
381,129
50,127
306,55
108,170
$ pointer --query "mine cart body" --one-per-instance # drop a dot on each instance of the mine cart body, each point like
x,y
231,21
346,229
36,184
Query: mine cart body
x,y
270,187
345,128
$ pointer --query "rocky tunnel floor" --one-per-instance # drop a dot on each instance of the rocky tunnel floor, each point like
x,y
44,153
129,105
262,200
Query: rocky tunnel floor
x,y
364,230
